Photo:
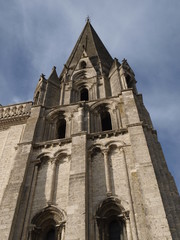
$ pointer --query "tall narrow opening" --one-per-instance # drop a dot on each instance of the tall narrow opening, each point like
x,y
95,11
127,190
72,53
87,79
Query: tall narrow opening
x,y
50,235
129,82
84,95
62,128
106,121
114,230
83,65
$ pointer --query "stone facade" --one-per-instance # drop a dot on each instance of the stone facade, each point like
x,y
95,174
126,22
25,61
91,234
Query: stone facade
x,y
82,161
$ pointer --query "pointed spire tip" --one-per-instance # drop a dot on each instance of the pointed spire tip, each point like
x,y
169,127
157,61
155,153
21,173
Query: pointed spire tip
x,y
88,20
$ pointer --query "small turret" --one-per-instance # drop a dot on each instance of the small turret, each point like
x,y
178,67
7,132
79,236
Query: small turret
x,y
47,92
121,77
40,91
127,76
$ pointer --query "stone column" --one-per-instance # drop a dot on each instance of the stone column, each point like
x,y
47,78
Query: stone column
x,y
81,113
30,199
68,127
128,229
123,78
118,116
89,121
107,172
62,93
52,180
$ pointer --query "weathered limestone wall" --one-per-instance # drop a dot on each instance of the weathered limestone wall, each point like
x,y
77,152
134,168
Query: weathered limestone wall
x,y
13,190
42,195
98,179
9,139
151,224
115,82
166,184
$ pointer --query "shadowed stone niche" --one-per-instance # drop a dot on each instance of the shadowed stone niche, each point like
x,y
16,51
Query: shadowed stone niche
x,y
48,224
112,220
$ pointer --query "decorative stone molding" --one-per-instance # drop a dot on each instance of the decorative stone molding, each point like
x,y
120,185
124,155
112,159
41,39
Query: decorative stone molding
x,y
46,218
12,113
108,133
52,143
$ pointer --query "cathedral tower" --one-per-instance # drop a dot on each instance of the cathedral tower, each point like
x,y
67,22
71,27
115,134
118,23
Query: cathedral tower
x,y
82,161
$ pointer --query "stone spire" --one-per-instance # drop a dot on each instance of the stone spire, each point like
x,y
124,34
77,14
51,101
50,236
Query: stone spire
x,y
90,42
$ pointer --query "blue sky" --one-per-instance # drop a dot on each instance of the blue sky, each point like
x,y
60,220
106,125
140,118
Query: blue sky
x,y
37,35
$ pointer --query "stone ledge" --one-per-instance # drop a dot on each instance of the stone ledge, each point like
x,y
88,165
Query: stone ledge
x,y
108,133
52,143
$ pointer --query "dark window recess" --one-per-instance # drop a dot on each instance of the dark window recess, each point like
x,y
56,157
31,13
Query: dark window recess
x,y
114,230
83,64
129,82
50,235
62,128
84,94
106,121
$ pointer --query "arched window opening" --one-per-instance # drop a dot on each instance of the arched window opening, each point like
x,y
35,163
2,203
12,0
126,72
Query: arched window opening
x,y
84,95
114,230
111,220
48,224
106,121
129,82
50,235
83,64
62,128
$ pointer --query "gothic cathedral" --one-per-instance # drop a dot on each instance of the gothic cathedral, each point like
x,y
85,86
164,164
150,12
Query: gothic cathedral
x,y
82,161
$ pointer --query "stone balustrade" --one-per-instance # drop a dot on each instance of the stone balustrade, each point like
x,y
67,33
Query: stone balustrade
x,y
15,111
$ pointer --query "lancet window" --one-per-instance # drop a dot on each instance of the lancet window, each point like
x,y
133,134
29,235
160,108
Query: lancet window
x,y
61,128
84,94
129,82
106,121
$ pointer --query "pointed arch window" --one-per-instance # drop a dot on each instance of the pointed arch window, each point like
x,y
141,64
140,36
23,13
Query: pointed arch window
x,y
111,220
129,82
106,121
48,224
84,94
62,128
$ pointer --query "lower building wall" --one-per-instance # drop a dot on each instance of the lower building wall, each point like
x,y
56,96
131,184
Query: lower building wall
x,y
9,139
